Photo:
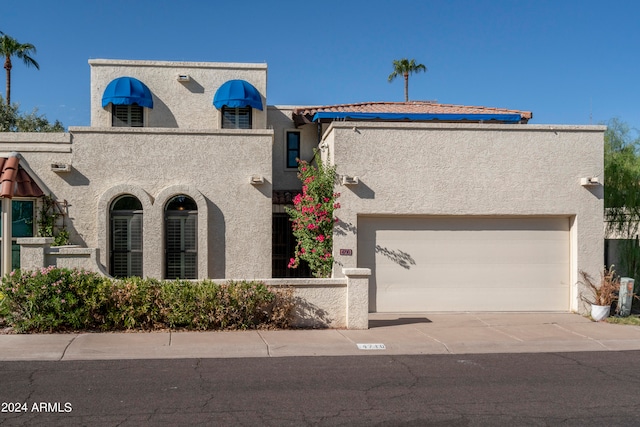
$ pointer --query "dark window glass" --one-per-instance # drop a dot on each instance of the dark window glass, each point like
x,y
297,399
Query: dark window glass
x,y
22,225
293,149
22,218
182,203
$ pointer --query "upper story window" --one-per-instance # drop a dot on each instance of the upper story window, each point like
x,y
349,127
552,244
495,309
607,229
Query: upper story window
x,y
293,149
236,100
236,118
127,116
128,98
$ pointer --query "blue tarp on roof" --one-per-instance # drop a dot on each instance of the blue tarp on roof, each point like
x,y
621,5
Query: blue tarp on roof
x,y
127,91
237,93
506,118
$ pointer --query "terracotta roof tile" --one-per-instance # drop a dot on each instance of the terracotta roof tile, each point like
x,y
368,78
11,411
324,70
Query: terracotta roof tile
x,y
305,114
15,181
8,174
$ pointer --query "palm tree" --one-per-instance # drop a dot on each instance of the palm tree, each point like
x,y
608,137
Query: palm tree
x,y
404,67
11,47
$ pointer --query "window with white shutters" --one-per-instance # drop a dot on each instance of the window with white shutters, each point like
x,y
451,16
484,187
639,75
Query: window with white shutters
x,y
126,237
181,229
128,116
236,117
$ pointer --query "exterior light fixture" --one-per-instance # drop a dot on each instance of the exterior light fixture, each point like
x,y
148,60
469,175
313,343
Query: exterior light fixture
x,y
590,181
256,180
349,180
60,167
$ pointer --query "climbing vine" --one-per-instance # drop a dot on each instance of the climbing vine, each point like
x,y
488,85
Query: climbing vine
x,y
48,222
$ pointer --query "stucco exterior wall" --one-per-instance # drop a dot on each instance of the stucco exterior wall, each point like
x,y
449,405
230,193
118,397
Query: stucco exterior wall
x,y
279,119
184,105
471,169
212,167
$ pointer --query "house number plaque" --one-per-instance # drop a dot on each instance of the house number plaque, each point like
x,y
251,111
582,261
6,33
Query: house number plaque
x,y
346,252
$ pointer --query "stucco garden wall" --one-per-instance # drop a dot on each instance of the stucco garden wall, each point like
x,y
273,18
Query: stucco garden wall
x,y
471,169
185,105
318,303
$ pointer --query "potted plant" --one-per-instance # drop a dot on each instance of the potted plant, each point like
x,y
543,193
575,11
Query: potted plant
x,y
600,295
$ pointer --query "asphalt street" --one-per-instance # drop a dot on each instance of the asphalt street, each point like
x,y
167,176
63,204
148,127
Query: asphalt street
x,y
574,389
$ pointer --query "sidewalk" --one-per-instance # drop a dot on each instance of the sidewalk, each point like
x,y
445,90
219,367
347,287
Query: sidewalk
x,y
424,333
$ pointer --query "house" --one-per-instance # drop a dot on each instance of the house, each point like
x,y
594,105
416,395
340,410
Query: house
x,y
185,172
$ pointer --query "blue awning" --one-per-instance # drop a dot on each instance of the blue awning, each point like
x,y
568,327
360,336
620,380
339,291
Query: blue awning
x,y
505,118
127,91
237,93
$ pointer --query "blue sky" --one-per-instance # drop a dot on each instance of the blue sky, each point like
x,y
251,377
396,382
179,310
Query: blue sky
x,y
569,62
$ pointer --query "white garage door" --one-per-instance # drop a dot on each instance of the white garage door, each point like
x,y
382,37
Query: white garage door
x,y
465,263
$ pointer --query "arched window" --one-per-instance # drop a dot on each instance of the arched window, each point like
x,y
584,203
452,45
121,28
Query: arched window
x,y
126,237
181,246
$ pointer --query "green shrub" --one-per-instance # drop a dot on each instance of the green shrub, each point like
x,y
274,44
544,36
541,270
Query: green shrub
x,y
235,305
4,310
134,303
53,299
192,305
